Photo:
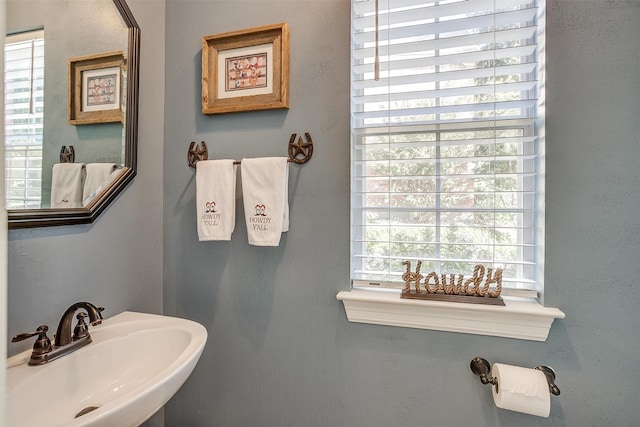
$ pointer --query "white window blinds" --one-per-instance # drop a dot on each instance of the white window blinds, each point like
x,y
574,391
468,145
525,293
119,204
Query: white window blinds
x,y
447,138
24,118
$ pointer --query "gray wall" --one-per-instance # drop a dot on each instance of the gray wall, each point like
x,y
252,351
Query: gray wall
x,y
115,262
280,350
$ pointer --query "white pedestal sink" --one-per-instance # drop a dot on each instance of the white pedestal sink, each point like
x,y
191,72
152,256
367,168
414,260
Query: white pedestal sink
x,y
134,365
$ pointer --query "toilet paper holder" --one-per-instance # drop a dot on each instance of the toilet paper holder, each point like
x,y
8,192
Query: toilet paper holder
x,y
481,368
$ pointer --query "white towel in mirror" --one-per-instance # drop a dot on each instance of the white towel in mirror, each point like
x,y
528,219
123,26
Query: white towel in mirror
x,y
96,176
67,180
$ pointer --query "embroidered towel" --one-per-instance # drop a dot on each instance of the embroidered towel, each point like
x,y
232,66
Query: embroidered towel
x,y
97,174
216,199
66,185
266,199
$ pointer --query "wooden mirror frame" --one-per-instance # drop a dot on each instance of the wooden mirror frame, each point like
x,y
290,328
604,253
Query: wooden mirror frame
x,y
29,218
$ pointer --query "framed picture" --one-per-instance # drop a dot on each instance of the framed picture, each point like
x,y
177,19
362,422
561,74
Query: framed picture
x,y
95,91
246,70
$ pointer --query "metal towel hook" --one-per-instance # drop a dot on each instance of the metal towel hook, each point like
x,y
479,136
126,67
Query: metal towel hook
x,y
299,151
67,155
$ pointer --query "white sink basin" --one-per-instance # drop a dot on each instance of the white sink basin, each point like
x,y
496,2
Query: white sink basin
x,y
134,365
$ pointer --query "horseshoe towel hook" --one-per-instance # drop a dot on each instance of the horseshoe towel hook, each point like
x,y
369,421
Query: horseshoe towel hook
x,y
299,151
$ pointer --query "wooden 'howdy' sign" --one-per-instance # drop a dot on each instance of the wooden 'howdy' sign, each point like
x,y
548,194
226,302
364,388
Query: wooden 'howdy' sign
x,y
454,287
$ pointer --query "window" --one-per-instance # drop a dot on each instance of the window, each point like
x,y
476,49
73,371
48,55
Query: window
x,y
24,118
447,139
447,134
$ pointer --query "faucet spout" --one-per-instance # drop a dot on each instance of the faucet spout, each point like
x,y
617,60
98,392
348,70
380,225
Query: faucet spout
x,y
63,334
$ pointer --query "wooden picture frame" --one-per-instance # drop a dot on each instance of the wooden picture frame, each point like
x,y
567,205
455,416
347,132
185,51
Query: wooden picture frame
x,y
246,70
95,90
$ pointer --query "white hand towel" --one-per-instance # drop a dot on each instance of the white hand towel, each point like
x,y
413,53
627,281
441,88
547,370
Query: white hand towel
x,y
216,199
97,174
265,195
66,185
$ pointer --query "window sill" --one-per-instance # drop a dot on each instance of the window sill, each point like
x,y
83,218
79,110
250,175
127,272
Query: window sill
x,y
519,318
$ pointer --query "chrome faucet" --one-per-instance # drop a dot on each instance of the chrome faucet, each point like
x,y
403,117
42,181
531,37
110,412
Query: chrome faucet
x,y
65,342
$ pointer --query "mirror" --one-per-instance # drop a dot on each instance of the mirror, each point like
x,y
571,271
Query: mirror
x,y
76,32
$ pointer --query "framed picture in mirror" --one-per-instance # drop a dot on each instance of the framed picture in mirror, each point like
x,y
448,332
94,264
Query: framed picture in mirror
x,y
246,70
96,88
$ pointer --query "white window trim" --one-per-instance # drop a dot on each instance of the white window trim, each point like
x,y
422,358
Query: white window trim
x,y
519,318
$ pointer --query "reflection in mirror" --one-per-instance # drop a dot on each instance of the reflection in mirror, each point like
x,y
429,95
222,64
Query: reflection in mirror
x,y
71,82
23,113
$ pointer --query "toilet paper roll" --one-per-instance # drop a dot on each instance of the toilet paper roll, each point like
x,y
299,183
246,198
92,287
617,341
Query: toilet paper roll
x,y
521,390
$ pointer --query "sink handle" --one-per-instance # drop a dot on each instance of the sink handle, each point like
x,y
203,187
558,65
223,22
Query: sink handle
x,y
42,344
42,329
81,330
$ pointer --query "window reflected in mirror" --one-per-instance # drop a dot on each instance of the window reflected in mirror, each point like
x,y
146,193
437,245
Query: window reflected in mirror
x,y
24,118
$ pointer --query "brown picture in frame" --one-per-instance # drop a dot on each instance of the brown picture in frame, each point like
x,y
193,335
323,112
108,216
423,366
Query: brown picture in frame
x,y
246,70
95,89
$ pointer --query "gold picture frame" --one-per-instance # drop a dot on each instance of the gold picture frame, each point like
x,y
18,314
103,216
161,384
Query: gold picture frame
x,y
95,89
246,70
